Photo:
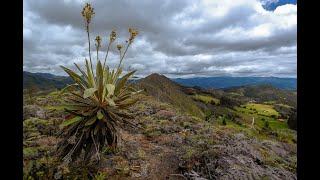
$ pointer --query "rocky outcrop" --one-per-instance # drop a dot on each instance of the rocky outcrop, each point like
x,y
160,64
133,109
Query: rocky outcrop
x,y
33,111
239,157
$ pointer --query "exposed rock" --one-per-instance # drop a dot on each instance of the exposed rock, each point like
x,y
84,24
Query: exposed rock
x,y
239,158
173,118
106,162
135,175
33,111
48,101
276,147
165,114
170,129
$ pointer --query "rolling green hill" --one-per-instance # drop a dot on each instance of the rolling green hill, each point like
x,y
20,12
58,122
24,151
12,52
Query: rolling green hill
x,y
265,93
165,90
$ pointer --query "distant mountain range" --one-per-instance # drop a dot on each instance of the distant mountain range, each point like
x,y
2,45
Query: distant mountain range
x,y
224,82
46,81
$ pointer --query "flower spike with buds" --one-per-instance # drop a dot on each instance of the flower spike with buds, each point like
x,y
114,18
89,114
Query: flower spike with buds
x,y
133,34
98,39
98,45
119,46
87,13
113,36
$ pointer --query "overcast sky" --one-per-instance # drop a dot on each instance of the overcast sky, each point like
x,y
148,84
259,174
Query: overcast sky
x,y
177,38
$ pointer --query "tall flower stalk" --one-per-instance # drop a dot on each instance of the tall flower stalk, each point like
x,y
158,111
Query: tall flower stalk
x,y
113,36
87,13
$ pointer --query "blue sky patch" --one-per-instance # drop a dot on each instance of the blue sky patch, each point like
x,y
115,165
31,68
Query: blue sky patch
x,y
271,5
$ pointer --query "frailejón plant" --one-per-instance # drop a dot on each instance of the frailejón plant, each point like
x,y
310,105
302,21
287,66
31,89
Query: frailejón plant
x,y
95,106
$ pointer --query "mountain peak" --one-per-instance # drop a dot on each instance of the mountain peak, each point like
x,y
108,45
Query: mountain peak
x,y
158,78
156,75
163,89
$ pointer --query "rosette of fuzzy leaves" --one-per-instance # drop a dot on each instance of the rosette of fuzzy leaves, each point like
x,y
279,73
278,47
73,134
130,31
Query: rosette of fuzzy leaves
x,y
95,110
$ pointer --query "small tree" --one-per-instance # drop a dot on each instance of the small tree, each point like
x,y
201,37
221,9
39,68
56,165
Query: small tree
x,y
292,121
273,116
212,102
266,125
224,122
228,102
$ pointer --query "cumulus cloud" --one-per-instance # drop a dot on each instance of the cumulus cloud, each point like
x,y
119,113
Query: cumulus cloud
x,y
181,38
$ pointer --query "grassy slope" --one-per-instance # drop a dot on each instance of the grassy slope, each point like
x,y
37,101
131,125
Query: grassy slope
x,y
205,98
245,114
263,109
256,110
265,93
163,89
155,148
264,112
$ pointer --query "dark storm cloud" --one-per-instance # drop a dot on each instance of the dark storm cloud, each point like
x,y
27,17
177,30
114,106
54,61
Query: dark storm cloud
x,y
177,38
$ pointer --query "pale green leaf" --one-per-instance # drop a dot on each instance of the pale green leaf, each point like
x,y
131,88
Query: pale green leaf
x,y
123,81
110,88
105,80
111,77
82,72
91,121
117,75
137,92
71,121
99,75
103,129
124,105
89,92
99,114
71,86
131,89
90,75
96,129
63,107
110,101
75,77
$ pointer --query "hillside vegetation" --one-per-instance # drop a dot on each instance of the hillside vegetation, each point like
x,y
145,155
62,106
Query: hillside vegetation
x,y
170,142
163,89
44,81
265,93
